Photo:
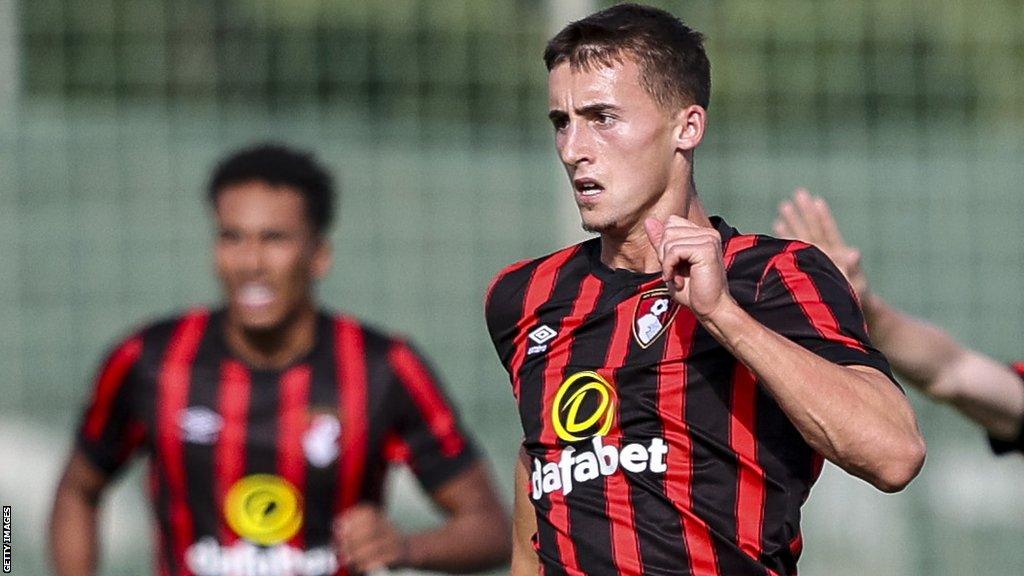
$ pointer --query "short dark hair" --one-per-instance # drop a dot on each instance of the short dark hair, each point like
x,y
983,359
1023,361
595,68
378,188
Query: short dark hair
x,y
280,165
674,69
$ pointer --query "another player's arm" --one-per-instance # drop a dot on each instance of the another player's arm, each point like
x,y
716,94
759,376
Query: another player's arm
x,y
853,415
524,523
474,536
982,388
73,533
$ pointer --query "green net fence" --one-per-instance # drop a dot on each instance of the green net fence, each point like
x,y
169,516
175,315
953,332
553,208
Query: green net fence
x,y
907,116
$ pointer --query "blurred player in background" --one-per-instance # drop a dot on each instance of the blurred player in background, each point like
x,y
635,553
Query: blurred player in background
x,y
984,389
678,382
269,422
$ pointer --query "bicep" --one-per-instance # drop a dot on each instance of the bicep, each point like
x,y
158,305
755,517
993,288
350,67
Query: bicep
x,y
82,479
470,490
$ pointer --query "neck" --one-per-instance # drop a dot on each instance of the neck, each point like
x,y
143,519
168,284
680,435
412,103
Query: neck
x,y
633,249
276,347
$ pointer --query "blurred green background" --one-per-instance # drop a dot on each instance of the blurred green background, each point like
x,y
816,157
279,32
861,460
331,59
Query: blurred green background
x,y
907,116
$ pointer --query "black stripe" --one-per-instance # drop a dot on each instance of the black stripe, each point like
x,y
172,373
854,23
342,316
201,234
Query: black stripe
x,y
321,483
198,457
504,308
381,386
787,462
156,340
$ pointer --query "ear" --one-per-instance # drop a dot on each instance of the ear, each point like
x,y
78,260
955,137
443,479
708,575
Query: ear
x,y
690,125
323,257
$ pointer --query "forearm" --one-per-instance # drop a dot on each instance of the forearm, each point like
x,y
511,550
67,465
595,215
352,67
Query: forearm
x,y
926,356
73,541
855,418
920,352
524,525
471,542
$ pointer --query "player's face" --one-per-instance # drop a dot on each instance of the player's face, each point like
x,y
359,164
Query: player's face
x,y
615,141
268,255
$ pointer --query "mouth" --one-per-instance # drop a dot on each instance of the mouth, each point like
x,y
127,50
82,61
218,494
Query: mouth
x,y
586,188
255,295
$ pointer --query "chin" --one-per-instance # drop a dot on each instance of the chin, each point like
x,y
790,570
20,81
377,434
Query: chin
x,y
599,226
259,322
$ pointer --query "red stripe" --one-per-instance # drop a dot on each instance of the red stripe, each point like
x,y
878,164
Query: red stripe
x,y
133,437
800,284
110,380
173,383
554,373
735,245
796,546
618,498
396,450
233,405
672,382
351,357
542,284
432,406
750,492
558,355
293,419
1018,367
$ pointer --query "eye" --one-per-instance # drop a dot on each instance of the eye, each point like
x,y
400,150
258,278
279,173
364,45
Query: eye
x,y
604,119
559,124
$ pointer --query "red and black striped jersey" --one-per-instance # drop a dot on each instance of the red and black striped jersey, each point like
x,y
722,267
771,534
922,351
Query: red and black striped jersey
x,y
652,449
1016,445
249,467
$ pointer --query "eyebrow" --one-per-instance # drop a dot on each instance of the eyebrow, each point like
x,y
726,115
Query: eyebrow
x,y
588,110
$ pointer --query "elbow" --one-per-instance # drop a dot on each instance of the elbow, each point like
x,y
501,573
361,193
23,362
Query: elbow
x,y
900,466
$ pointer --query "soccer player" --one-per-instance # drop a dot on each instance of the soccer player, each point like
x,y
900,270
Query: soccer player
x,y
678,382
984,389
269,422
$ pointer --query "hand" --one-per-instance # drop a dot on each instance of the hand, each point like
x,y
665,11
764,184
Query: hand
x,y
367,541
691,263
809,219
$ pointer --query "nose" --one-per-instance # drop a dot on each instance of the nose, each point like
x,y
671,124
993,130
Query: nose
x,y
575,146
251,256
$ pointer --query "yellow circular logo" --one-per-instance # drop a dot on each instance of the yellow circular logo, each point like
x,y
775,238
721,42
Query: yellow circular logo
x,y
584,406
263,509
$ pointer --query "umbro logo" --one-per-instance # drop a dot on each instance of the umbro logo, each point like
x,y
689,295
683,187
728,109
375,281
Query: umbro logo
x,y
540,336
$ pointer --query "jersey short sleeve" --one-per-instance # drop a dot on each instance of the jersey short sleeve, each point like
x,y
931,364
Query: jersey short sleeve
x,y
109,431
427,425
804,297
1017,444
503,307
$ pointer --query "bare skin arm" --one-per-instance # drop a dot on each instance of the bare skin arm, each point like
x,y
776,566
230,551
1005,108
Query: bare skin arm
x,y
982,388
475,535
853,416
524,523
73,536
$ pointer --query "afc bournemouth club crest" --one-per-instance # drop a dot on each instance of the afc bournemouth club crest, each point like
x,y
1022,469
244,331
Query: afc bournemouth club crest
x,y
654,312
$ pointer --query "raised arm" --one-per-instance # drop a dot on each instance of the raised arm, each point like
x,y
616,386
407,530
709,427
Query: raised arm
x,y
74,540
983,389
475,535
852,415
